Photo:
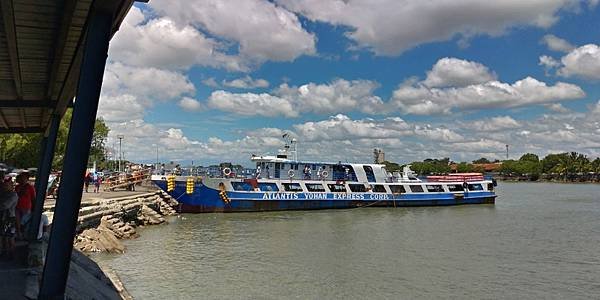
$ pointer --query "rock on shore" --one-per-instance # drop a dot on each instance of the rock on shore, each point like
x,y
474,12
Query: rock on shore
x,y
102,224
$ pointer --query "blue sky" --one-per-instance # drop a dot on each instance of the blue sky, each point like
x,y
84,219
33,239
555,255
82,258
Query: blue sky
x,y
455,80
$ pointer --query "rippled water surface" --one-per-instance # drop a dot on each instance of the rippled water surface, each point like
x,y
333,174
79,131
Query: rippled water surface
x,y
539,241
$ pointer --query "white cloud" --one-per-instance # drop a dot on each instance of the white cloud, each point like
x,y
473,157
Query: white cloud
x,y
557,107
582,62
161,43
389,27
127,91
494,124
341,127
417,98
249,104
402,141
120,108
262,30
457,72
557,44
548,62
338,96
190,104
152,83
211,82
246,82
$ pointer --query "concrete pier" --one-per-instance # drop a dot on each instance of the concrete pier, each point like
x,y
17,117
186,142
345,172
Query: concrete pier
x,y
102,223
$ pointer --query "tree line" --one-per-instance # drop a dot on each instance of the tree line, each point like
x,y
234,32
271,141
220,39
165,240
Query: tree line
x,y
22,150
568,166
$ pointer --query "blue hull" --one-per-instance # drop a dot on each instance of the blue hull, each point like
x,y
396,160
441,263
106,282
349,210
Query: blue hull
x,y
205,199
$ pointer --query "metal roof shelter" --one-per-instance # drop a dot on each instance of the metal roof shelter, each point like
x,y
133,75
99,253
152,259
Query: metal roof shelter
x,y
52,51
41,49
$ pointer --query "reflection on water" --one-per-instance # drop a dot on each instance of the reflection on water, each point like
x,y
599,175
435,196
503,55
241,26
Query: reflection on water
x,y
538,241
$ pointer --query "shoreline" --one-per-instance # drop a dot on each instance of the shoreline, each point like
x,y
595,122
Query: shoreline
x,y
102,224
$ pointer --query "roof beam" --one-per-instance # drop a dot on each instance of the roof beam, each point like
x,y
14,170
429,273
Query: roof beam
x,y
61,38
11,40
22,130
27,103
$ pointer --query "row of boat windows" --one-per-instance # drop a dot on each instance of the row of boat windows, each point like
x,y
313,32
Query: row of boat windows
x,y
355,188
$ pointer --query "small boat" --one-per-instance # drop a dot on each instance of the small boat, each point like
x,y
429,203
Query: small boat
x,y
283,183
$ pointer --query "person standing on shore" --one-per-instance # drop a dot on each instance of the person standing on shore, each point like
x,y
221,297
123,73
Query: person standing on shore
x,y
97,182
26,194
86,181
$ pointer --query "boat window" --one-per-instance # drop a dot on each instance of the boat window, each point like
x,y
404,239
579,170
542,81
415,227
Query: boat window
x,y
475,187
397,189
315,187
337,188
455,188
434,188
292,187
378,188
357,188
416,188
314,167
242,186
370,174
268,187
343,172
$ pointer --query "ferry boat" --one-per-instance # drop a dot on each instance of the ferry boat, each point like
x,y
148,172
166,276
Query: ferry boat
x,y
282,183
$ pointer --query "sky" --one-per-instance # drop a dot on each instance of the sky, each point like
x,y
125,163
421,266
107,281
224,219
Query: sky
x,y
213,81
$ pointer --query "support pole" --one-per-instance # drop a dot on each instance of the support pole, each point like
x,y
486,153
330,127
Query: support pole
x,y
56,269
41,184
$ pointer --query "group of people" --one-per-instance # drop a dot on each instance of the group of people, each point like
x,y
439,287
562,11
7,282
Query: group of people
x,y
16,202
93,179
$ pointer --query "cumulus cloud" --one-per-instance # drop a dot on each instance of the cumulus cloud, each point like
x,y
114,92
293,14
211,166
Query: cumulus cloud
x,y
582,62
246,82
128,91
548,62
147,82
557,44
338,96
161,43
391,27
403,141
457,72
250,104
190,104
494,124
421,99
262,30
557,107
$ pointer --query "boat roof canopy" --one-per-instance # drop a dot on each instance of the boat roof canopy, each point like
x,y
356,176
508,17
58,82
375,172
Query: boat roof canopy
x,y
284,159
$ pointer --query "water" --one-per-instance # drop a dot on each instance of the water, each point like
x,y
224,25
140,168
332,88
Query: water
x,y
540,241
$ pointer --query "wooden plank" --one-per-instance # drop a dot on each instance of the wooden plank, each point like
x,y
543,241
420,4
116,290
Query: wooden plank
x,y
11,39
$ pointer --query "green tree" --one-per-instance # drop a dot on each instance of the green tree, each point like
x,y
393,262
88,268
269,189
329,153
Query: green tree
x,y
529,157
392,166
464,167
482,160
23,150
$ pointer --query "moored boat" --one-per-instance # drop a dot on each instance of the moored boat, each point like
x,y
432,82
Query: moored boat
x,y
281,183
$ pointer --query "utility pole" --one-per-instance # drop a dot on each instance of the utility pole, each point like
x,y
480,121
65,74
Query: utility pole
x,y
506,151
120,137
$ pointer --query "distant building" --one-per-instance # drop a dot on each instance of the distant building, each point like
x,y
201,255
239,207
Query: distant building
x,y
378,156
